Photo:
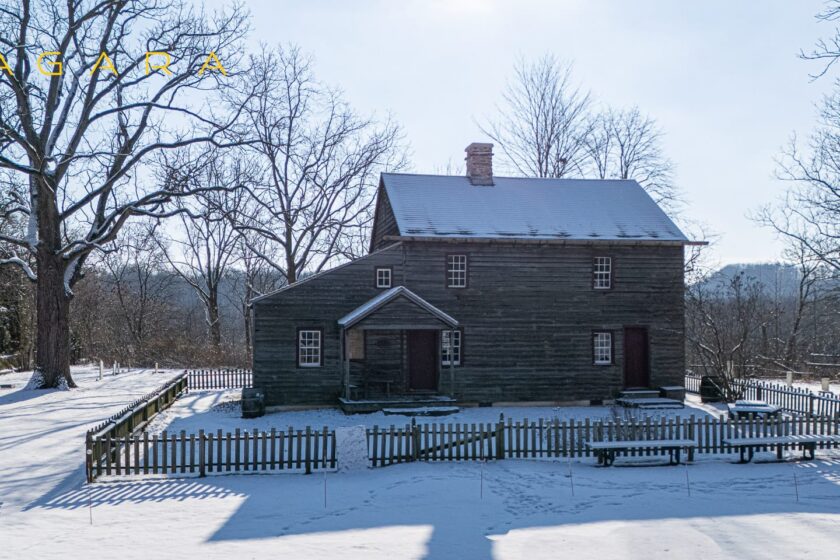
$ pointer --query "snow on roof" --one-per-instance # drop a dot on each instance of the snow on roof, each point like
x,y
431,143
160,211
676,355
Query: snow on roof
x,y
373,304
517,208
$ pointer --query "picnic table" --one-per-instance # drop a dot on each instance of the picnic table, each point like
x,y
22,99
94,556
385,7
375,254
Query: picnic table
x,y
607,450
753,408
807,443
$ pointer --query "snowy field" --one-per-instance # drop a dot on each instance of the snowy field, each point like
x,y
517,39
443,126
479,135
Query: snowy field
x,y
505,510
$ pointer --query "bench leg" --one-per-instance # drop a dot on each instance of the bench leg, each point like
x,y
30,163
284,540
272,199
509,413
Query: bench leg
x,y
690,454
751,454
677,456
741,453
609,459
779,452
809,451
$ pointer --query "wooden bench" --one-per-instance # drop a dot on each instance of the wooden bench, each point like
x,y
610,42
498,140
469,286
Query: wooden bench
x,y
807,443
607,450
384,383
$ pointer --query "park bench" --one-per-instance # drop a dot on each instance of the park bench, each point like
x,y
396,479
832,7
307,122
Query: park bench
x,y
807,443
750,409
607,450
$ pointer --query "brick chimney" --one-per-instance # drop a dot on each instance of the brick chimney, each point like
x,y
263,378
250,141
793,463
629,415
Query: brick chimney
x,y
480,163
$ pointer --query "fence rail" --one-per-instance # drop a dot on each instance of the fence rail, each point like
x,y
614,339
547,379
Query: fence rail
x,y
297,450
795,400
208,379
567,438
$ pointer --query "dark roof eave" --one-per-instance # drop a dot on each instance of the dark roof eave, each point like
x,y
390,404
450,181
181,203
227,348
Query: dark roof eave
x,y
545,241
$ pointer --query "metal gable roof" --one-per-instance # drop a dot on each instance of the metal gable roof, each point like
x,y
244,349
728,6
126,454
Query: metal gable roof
x,y
523,208
389,295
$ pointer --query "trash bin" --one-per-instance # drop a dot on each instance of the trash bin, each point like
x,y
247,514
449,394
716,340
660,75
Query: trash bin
x,y
253,403
711,389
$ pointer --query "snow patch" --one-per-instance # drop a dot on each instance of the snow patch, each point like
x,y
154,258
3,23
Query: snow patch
x,y
68,275
351,452
35,382
32,230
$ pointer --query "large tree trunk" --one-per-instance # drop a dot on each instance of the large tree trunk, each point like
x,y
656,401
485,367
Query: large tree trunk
x,y
52,298
52,358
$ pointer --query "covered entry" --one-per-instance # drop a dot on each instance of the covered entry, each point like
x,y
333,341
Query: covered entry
x,y
393,343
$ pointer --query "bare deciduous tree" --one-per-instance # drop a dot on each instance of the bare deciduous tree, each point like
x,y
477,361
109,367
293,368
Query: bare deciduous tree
x,y
723,320
80,135
544,120
202,249
826,51
809,216
142,286
628,145
318,162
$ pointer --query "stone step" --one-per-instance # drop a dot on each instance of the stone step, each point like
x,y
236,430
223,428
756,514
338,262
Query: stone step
x,y
421,411
649,403
640,394
374,405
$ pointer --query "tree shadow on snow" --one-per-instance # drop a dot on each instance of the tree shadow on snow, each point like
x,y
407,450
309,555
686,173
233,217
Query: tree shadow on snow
x,y
444,501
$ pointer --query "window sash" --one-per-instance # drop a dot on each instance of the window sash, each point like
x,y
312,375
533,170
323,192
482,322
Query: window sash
x,y
445,354
602,348
309,348
456,271
602,273
383,277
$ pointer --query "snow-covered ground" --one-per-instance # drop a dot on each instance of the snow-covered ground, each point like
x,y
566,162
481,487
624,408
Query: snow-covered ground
x,y
505,510
213,410
815,385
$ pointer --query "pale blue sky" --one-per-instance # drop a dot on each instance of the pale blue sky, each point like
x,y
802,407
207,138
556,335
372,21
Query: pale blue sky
x,y
722,78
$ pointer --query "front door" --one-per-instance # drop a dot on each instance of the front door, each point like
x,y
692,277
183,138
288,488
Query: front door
x,y
636,373
422,360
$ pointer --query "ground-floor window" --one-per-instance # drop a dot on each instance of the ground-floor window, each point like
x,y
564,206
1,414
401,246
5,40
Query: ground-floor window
x,y
309,348
602,348
450,351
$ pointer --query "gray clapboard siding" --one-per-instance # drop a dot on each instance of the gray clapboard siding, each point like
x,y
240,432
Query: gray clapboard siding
x,y
527,318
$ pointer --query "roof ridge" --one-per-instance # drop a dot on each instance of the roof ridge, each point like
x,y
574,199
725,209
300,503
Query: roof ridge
x,y
587,179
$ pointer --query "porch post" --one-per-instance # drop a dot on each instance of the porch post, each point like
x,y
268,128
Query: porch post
x,y
452,361
345,378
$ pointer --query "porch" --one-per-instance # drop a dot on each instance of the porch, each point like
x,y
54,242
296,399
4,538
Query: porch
x,y
396,352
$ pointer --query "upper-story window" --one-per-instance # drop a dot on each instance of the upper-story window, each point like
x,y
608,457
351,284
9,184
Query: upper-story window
x,y
602,273
383,277
456,271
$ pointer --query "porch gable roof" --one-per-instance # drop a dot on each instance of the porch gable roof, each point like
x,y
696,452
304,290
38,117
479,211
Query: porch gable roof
x,y
387,296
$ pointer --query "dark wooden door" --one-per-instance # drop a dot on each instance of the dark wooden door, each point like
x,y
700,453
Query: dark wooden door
x,y
636,372
422,360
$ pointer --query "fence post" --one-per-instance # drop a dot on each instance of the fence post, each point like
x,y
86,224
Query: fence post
x,y
88,457
201,454
500,437
415,440
308,456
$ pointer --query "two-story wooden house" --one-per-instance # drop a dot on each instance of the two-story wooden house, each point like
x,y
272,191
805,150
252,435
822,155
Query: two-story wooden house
x,y
486,289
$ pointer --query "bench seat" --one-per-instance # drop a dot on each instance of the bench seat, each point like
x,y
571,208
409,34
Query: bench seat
x,y
807,443
607,450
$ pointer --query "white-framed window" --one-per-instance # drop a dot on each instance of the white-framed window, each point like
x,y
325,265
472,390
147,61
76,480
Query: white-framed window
x,y
602,273
383,277
309,348
456,271
602,348
449,351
